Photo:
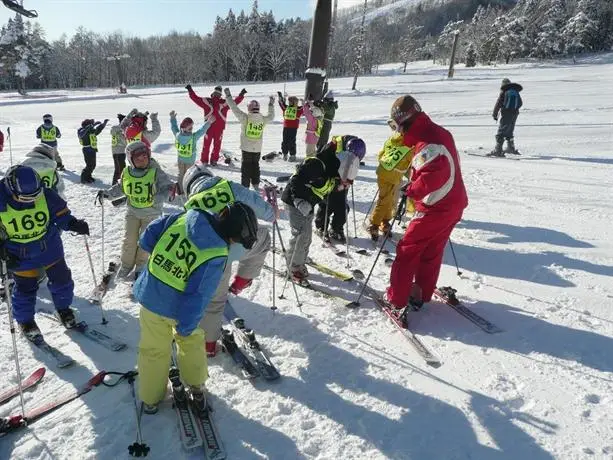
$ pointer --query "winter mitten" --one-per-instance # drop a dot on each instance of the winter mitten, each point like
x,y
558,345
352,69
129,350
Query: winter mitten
x,y
303,206
154,116
271,100
227,92
243,92
280,94
188,87
78,226
173,114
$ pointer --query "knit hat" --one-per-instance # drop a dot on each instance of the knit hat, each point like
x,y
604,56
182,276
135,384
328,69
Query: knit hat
x,y
253,107
505,81
217,89
47,118
187,121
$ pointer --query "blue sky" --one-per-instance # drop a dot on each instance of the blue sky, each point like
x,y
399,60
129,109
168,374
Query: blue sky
x,y
150,17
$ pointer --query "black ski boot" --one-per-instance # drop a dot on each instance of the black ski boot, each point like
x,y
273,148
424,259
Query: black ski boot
x,y
31,331
67,318
510,148
338,236
198,401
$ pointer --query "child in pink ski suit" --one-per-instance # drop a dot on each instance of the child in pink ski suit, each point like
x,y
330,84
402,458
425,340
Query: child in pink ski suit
x,y
315,121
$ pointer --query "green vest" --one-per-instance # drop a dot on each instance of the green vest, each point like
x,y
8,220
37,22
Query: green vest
x,y
139,190
114,140
213,199
185,150
48,177
290,113
254,130
175,257
320,124
392,155
339,143
48,135
26,225
322,191
93,141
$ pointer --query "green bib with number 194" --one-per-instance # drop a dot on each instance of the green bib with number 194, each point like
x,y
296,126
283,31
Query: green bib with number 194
x,y
213,199
175,257
26,225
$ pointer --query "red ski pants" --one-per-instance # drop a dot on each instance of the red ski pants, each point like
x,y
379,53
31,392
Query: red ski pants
x,y
214,138
419,256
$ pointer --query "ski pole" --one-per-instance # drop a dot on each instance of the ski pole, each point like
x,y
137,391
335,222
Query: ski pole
x,y
101,200
326,217
370,207
348,265
6,281
8,132
399,213
274,270
91,266
139,448
355,226
289,264
455,259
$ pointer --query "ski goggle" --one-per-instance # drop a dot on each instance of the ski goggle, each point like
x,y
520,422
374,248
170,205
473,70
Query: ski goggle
x,y
28,197
392,124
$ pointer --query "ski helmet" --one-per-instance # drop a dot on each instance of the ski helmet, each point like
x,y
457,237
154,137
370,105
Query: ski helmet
x,y
357,147
86,122
505,81
317,112
47,118
23,183
292,100
135,149
194,173
46,150
238,221
329,95
186,122
404,109
253,107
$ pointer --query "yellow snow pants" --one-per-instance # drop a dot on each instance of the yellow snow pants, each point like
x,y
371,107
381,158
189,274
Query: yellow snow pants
x,y
386,202
154,353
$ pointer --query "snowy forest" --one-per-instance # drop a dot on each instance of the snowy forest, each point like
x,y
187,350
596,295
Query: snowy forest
x,y
255,46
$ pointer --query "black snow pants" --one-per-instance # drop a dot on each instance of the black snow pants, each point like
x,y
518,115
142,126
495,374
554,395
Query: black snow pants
x,y
250,169
288,145
507,125
336,207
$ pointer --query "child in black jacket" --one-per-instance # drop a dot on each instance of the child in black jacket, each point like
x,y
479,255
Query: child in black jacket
x,y
88,138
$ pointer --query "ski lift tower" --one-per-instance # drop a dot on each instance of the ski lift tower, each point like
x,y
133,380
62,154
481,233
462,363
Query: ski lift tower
x,y
120,75
318,51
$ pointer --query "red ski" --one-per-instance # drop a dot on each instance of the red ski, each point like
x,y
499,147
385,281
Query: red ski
x,y
15,422
26,384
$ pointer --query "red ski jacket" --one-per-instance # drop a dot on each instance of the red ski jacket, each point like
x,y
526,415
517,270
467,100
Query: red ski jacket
x,y
218,106
436,178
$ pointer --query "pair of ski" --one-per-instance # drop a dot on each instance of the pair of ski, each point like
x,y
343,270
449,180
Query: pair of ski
x,y
196,428
327,270
241,344
15,422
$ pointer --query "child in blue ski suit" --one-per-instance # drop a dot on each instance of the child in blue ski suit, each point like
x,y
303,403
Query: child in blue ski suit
x,y
31,217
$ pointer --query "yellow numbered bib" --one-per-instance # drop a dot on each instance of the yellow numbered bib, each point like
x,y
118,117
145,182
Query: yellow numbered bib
x,y
26,225
139,190
392,155
320,125
185,150
114,140
213,199
254,130
291,111
175,257
48,135
48,177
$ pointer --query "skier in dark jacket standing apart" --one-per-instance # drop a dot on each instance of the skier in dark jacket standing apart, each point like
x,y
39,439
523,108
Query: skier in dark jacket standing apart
x,y
437,190
508,104
329,106
88,138
49,134
291,122
219,107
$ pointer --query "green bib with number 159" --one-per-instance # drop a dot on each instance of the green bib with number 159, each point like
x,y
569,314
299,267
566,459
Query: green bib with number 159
x,y
175,257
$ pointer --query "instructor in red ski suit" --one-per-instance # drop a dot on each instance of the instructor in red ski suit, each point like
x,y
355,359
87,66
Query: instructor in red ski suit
x,y
437,191
219,107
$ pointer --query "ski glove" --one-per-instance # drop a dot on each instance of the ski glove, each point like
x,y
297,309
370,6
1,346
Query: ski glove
x,y
243,92
227,92
303,206
280,95
78,226
495,117
188,87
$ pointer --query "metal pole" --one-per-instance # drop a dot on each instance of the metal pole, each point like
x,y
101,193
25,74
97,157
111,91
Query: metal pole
x,y
8,132
355,225
453,51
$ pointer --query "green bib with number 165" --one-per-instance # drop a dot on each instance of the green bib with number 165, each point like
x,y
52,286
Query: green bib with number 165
x,y
213,199
26,225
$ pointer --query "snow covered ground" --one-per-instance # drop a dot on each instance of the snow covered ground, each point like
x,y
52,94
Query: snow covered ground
x,y
536,255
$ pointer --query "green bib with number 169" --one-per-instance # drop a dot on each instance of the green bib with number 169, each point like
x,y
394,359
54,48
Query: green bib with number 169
x,y
213,199
26,225
175,257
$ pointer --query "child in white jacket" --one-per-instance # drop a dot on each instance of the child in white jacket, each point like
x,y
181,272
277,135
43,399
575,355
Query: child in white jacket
x,y
252,134
42,159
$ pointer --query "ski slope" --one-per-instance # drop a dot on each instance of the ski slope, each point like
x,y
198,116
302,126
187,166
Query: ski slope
x,y
534,248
